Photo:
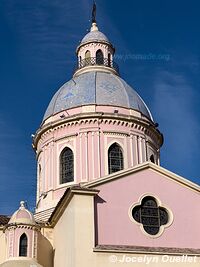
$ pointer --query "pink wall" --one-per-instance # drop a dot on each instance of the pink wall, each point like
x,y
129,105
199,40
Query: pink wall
x,y
114,226
13,243
89,138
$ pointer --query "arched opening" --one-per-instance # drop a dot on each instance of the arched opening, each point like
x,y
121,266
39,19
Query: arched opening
x,y
87,54
87,57
152,159
80,61
115,158
109,60
23,245
99,57
66,166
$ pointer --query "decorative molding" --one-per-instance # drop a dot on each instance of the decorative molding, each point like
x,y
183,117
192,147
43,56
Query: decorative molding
x,y
140,167
66,137
139,124
116,133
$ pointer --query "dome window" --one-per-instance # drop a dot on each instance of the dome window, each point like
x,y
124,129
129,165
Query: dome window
x,y
66,166
115,158
99,57
23,244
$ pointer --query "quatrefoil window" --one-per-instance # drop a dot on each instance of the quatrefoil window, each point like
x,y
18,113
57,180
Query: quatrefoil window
x,y
152,217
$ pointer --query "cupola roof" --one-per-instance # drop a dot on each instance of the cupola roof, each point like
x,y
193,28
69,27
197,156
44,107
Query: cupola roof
x,y
94,35
22,216
96,87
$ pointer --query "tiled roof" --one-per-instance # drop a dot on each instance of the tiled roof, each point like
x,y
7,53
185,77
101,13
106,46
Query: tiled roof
x,y
4,219
97,88
95,36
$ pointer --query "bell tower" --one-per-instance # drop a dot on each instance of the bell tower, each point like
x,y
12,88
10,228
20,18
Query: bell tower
x,y
95,51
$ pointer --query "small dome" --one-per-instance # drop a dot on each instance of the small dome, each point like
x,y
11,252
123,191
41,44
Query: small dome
x,y
94,35
96,87
22,215
20,263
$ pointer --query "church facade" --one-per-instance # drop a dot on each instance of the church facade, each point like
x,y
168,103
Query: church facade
x,y
102,197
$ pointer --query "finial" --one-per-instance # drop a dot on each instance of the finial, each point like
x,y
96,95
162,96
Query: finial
x,y
22,204
94,27
94,11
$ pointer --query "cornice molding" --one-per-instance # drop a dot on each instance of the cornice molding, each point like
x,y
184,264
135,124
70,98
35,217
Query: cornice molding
x,y
130,122
146,165
147,250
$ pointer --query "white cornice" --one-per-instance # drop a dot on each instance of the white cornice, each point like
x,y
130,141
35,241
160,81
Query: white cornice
x,y
141,167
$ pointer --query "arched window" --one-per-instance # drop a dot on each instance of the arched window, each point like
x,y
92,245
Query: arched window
x,y
87,57
23,244
99,57
66,166
115,158
87,54
152,159
109,60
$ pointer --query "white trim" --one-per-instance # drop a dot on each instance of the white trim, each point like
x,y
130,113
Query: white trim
x,y
140,149
144,149
93,158
44,170
125,156
80,151
146,165
33,242
86,156
136,149
131,149
99,162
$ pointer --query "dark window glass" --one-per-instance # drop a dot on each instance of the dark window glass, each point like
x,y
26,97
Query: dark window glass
x,y
115,158
109,60
66,166
152,159
99,57
23,244
150,215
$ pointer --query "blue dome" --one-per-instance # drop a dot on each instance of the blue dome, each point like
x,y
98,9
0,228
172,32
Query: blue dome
x,y
95,36
99,88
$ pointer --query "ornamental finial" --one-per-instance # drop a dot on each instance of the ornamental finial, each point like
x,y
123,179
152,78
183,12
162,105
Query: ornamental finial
x,y
94,11
22,204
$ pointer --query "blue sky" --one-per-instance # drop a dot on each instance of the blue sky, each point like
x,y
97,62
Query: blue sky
x,y
158,51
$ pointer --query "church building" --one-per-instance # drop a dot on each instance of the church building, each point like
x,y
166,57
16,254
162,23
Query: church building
x,y
102,197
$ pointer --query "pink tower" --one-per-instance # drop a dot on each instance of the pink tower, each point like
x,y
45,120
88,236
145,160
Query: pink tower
x,y
89,120
22,237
